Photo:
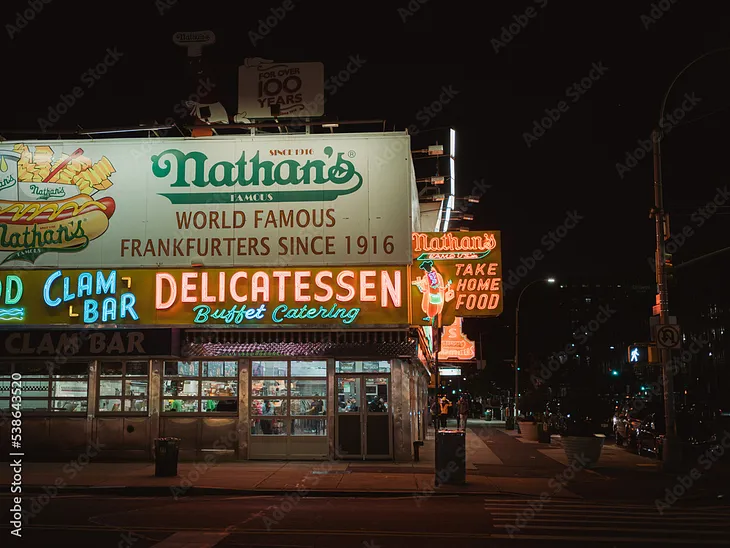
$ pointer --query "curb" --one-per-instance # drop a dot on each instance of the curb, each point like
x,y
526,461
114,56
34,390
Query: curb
x,y
166,491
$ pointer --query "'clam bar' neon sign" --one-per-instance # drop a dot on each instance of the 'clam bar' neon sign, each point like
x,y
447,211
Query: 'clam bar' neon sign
x,y
107,310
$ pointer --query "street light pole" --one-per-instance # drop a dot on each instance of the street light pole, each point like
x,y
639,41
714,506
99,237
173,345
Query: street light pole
x,y
670,449
517,346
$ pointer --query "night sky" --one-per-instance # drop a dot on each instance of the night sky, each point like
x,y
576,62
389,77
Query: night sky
x,y
499,96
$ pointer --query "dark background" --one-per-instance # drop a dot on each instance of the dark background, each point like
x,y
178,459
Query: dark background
x,y
500,94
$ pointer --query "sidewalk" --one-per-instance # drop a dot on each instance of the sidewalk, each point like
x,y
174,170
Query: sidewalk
x,y
498,462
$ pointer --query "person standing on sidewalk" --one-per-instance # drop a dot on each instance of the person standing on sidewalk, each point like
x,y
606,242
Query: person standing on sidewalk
x,y
462,408
445,406
435,413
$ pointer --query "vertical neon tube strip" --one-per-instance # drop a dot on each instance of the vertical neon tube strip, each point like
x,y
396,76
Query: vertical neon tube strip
x,y
452,173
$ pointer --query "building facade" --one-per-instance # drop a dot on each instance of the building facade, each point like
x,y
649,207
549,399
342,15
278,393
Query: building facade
x,y
249,295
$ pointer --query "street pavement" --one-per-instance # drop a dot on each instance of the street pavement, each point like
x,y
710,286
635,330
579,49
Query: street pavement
x,y
518,493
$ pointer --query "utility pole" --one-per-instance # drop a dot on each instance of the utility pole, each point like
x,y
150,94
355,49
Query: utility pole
x,y
672,454
670,448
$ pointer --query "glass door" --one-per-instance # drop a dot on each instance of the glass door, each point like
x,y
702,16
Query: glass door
x,y
363,416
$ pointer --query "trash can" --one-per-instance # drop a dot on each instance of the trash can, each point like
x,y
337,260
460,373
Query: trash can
x,y
166,454
450,457
543,434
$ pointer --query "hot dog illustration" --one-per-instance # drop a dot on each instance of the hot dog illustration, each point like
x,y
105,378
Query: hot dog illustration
x,y
48,201
61,223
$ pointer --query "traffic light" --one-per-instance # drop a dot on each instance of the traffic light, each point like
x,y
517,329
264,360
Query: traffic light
x,y
614,372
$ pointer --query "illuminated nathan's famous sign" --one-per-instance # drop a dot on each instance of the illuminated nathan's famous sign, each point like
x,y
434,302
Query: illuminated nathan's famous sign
x,y
450,246
255,173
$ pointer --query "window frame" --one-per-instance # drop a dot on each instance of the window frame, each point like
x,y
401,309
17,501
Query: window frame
x,y
289,418
53,373
200,398
123,378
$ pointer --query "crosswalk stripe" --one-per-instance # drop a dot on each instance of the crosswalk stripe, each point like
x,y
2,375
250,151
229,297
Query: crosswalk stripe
x,y
665,519
192,539
530,525
647,540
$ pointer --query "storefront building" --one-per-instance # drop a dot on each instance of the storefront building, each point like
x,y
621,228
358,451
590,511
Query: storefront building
x,y
249,295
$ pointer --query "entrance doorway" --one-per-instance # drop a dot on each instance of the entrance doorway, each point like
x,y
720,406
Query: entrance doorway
x,y
363,417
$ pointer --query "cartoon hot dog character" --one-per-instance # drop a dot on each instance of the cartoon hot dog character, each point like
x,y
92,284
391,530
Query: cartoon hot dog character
x,y
54,204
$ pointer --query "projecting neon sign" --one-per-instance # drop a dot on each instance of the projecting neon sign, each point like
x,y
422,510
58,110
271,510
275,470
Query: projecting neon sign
x,y
450,247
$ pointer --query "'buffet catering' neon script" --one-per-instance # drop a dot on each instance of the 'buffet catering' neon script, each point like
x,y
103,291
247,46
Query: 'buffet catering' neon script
x,y
111,308
264,288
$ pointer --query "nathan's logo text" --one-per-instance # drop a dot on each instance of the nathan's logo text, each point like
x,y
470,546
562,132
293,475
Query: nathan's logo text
x,y
255,173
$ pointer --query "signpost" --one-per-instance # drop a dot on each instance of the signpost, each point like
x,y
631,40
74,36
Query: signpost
x,y
669,337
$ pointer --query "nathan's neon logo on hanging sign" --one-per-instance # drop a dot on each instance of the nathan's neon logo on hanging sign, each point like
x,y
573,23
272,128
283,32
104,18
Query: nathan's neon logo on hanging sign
x,y
315,295
11,291
287,180
450,247
59,289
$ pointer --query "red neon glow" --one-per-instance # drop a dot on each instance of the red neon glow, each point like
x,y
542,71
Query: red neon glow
x,y
300,285
188,286
390,289
204,297
282,286
160,278
365,285
450,242
344,285
319,282
233,287
260,286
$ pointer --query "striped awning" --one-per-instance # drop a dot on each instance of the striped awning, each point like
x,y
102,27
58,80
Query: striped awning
x,y
351,344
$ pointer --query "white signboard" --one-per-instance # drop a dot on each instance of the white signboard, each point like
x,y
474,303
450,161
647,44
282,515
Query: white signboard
x,y
297,89
305,200
450,371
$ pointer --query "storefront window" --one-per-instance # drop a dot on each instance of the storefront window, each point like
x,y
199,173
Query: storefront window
x,y
306,397
44,388
200,387
362,367
123,387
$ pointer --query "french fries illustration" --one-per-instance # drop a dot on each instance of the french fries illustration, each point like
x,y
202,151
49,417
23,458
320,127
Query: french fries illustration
x,y
80,171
